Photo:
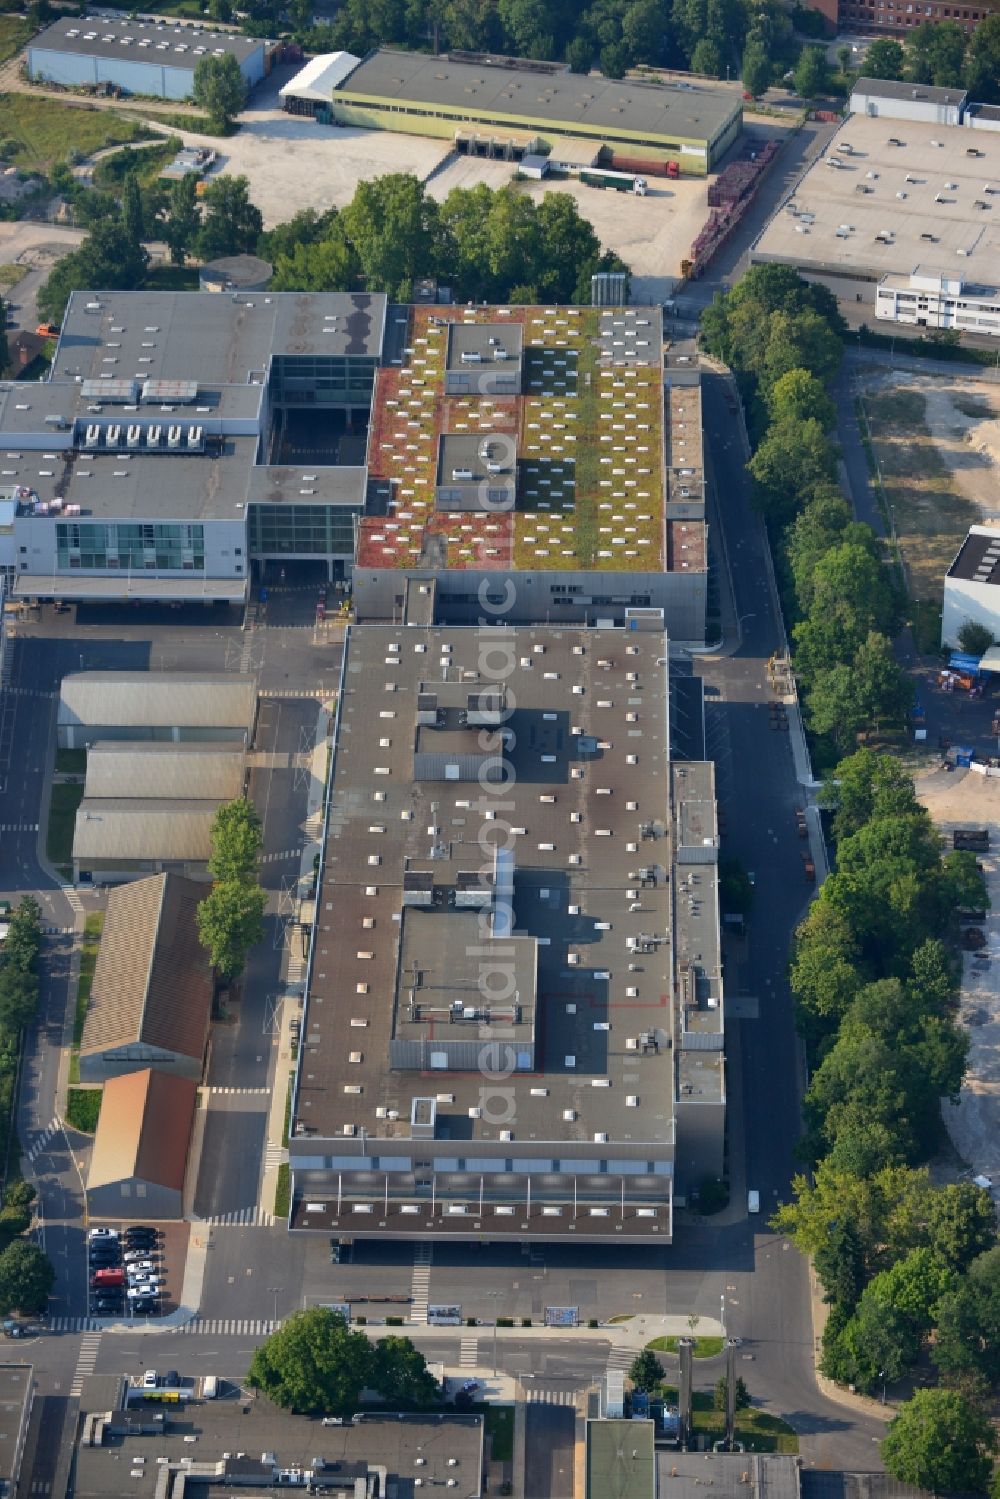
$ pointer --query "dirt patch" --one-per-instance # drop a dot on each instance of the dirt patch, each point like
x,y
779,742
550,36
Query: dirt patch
x,y
937,442
971,800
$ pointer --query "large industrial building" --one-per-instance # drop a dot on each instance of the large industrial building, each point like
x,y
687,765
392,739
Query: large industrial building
x,y
510,107
514,1022
899,212
152,57
186,438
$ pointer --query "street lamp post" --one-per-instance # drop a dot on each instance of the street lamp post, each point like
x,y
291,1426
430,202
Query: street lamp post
x,y
274,1292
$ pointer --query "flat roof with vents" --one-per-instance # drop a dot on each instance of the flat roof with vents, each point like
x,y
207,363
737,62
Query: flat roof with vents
x,y
978,560
503,93
405,924
105,38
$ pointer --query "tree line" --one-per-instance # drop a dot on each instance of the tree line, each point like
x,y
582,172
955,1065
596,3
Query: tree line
x,y
908,1268
26,1274
782,336
486,245
942,53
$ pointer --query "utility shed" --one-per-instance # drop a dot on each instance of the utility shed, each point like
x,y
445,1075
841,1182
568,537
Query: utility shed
x,y
151,998
192,771
118,840
141,1146
159,705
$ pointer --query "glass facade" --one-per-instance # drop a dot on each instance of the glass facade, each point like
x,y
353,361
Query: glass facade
x,y
322,380
133,546
302,530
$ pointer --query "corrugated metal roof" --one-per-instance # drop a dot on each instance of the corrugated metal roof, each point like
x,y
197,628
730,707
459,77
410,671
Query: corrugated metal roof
x,y
153,982
159,699
189,772
140,829
144,1130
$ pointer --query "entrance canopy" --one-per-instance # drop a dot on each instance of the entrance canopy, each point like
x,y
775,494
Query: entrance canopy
x,y
115,588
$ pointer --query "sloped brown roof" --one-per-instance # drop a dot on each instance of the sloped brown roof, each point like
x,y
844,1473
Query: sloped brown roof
x,y
144,1130
153,982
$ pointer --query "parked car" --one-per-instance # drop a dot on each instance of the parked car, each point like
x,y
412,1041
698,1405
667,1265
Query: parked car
x,y
105,1307
109,1276
102,1254
102,1233
141,1293
139,1261
149,1307
150,1379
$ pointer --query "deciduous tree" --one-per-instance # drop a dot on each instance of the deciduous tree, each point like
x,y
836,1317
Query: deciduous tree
x,y
26,1278
313,1364
232,223
940,1441
219,88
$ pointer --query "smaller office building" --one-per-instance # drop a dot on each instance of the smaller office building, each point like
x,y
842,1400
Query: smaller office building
x,y
155,58
972,585
151,998
156,705
141,1146
890,100
934,299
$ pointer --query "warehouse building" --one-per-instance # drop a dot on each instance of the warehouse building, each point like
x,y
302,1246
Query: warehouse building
x,y
148,768
890,200
509,107
141,1146
115,841
153,58
972,585
201,707
583,955
151,998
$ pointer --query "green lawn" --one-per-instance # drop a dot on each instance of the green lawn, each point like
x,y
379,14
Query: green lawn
x,y
88,962
15,32
171,278
66,797
10,275
147,163
43,131
703,1347
71,762
500,1430
83,1108
283,1191
756,1429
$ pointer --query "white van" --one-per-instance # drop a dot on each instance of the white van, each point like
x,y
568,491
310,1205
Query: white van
x,y
209,1387
753,1202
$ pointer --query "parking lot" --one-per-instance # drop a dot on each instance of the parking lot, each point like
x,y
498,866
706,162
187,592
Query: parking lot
x,y
134,1270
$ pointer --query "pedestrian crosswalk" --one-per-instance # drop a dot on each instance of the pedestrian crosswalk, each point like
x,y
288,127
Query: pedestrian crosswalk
x,y
69,1324
256,1092
468,1353
40,1142
274,1156
621,1358
242,1217
229,1327
549,1397
19,827
73,900
58,931
90,1345
280,856
420,1282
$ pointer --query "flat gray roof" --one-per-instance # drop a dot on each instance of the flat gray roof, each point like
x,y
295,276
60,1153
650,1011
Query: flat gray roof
x,y
886,207
890,88
494,343
209,337
155,42
392,1441
16,1389
467,452
502,89
589,768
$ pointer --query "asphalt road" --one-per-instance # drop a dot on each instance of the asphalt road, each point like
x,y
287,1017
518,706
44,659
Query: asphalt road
x,y
550,1440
